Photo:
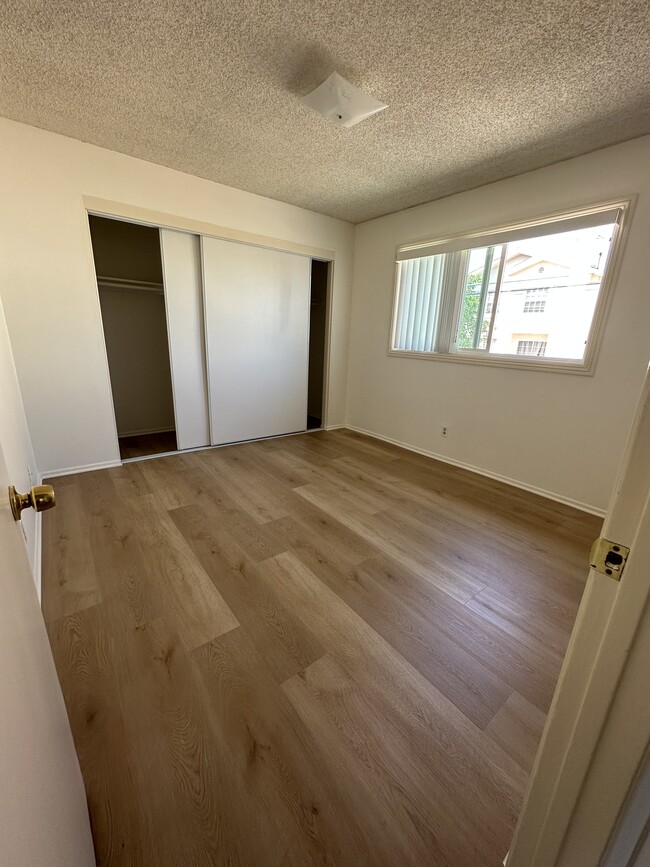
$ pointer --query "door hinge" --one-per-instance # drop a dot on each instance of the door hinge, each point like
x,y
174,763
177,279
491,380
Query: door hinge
x,y
608,558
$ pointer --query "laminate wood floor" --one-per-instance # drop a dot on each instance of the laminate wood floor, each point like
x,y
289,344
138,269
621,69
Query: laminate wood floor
x,y
318,649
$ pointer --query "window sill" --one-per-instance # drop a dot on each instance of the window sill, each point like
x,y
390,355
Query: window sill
x,y
582,368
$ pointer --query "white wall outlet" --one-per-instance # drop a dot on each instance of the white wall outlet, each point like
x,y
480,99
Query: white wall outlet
x,y
444,431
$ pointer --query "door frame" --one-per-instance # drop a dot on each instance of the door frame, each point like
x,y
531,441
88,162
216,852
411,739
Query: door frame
x,y
160,220
597,731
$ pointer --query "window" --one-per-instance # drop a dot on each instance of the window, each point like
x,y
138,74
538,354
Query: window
x,y
473,298
419,291
535,299
531,347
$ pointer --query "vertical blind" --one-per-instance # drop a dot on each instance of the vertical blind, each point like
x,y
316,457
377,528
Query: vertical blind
x,y
419,282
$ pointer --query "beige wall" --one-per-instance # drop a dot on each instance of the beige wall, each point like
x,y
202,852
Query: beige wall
x,y
563,434
48,284
138,360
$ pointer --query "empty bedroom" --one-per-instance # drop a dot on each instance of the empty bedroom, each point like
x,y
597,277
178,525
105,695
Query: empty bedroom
x,y
325,434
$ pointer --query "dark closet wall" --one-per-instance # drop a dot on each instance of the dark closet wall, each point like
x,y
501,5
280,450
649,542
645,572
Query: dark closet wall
x,y
135,325
126,250
317,327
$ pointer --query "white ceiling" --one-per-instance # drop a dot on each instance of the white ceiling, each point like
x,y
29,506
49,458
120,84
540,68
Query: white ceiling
x,y
478,89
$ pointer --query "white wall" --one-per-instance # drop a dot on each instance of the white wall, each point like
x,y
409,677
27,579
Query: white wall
x,y
17,445
138,359
559,433
48,285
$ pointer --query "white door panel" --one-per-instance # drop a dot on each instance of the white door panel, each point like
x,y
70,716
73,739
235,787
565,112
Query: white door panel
x,y
43,814
257,339
181,262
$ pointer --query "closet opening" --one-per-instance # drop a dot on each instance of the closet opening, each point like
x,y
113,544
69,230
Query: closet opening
x,y
129,272
317,339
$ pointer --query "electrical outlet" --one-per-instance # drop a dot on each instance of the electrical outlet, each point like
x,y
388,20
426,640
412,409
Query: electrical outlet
x,y
444,431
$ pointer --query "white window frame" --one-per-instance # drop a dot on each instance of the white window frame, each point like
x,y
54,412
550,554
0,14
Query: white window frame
x,y
451,294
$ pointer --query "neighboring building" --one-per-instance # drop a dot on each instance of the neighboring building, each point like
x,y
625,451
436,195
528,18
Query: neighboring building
x,y
548,294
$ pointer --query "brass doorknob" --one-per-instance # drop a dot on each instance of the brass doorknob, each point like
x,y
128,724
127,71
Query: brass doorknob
x,y
40,498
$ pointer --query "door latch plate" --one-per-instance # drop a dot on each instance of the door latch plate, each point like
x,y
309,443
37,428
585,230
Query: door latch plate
x,y
608,558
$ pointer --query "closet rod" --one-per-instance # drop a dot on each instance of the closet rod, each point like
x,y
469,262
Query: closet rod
x,y
122,283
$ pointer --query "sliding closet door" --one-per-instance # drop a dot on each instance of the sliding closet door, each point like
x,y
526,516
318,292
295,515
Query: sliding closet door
x,y
181,261
257,340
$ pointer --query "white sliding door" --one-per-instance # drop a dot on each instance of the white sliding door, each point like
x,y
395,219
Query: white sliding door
x,y
257,339
181,261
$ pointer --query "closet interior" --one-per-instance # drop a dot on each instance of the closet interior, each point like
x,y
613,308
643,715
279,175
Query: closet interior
x,y
209,341
131,295
320,271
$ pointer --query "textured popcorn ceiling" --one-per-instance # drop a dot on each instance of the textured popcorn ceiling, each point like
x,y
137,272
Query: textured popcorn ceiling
x,y
478,89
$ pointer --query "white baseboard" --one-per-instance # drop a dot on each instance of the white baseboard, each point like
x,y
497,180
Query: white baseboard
x,y
524,486
84,468
335,426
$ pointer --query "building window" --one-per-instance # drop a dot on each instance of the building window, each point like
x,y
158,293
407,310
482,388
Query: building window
x,y
534,306
463,299
531,347
537,293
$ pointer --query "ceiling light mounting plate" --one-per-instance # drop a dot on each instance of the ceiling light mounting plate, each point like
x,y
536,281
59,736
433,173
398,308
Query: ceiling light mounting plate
x,y
342,102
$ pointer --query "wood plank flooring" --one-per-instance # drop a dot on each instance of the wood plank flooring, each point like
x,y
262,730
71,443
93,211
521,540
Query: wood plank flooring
x,y
318,649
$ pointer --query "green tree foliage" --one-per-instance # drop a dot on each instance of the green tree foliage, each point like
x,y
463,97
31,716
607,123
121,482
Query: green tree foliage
x,y
469,311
